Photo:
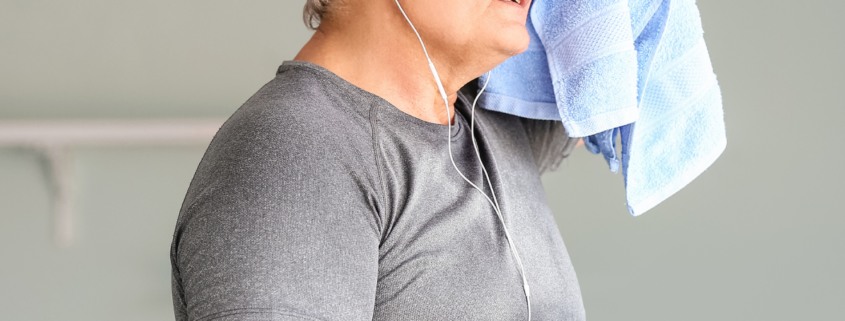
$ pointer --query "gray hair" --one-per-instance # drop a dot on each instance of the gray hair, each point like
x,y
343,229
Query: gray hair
x,y
313,12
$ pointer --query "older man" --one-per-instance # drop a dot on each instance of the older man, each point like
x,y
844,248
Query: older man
x,y
336,191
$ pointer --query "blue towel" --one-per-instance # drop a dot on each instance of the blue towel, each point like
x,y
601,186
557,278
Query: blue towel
x,y
635,68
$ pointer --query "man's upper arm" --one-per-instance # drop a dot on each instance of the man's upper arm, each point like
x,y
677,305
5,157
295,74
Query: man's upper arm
x,y
549,142
278,228
241,252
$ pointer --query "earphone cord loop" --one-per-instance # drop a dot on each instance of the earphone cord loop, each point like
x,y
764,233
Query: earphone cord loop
x,y
494,203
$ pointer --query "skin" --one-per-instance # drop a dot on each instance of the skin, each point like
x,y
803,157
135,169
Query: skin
x,y
369,44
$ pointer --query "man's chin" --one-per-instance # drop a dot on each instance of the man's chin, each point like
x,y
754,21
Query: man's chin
x,y
516,44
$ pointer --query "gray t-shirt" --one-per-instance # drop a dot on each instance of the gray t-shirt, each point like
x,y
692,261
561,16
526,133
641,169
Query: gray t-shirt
x,y
318,200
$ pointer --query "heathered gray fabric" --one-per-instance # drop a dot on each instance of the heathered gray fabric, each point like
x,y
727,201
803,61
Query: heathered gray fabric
x,y
318,200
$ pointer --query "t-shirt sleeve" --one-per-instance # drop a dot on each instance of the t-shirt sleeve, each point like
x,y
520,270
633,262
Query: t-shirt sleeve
x,y
278,225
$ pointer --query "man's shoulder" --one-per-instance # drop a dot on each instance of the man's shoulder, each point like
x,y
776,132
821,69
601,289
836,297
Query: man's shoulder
x,y
301,103
297,119
304,92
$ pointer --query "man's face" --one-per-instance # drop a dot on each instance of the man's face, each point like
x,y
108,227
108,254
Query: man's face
x,y
471,29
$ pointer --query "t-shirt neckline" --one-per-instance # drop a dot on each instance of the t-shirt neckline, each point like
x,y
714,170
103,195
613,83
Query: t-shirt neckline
x,y
461,105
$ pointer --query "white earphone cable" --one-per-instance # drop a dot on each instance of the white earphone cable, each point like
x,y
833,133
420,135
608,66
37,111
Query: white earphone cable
x,y
494,203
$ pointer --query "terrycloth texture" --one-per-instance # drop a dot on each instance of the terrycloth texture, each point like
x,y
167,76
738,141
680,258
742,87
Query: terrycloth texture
x,y
600,65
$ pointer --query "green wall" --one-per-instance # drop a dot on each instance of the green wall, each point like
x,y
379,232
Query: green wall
x,y
757,237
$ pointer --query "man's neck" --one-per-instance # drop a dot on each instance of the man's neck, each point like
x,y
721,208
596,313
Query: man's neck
x,y
386,59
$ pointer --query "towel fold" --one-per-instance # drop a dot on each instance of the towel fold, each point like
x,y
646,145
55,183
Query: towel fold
x,y
637,68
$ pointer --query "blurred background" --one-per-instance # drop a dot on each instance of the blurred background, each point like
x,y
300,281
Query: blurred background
x,y
758,236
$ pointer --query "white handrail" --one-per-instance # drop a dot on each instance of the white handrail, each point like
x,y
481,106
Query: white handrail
x,y
55,138
107,132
